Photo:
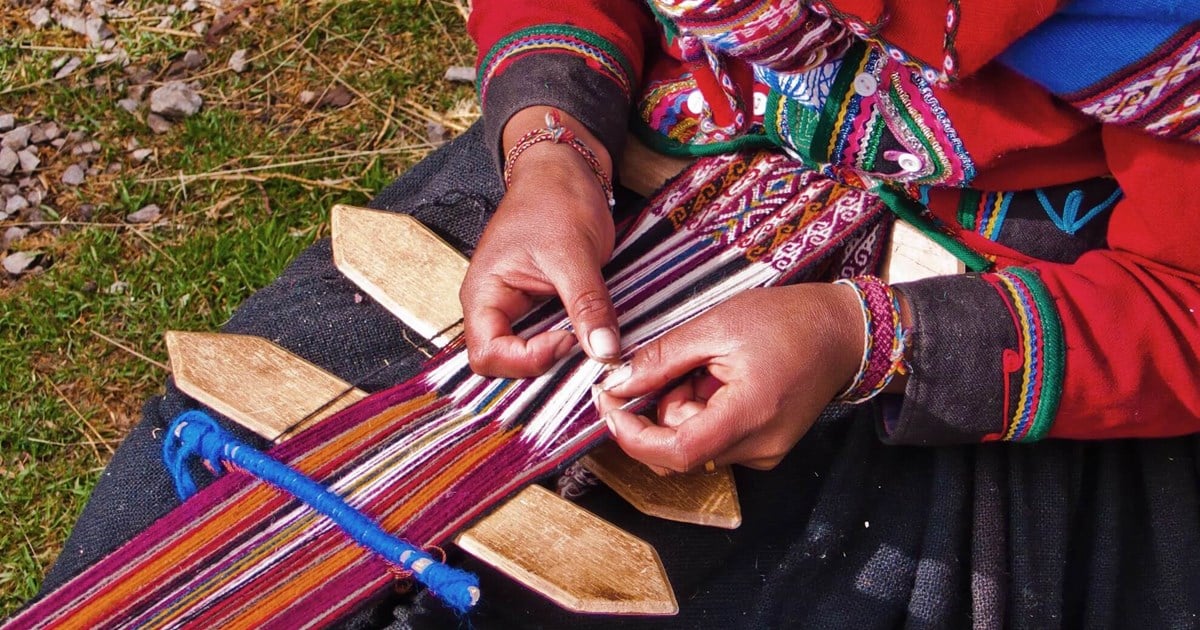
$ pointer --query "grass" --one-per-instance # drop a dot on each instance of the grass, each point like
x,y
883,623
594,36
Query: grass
x,y
245,185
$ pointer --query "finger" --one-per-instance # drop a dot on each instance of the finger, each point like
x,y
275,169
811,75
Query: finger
x,y
679,351
604,401
589,306
703,436
489,308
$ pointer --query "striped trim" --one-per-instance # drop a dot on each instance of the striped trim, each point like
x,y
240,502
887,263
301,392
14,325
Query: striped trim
x,y
1034,385
992,211
600,53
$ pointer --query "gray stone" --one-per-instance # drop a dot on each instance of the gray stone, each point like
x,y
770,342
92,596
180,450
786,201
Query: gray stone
x,y
114,168
35,196
73,176
8,190
140,155
149,214
16,139
237,61
29,160
16,204
86,148
7,121
194,59
190,6
76,136
158,124
71,66
200,28
37,135
12,235
74,23
58,143
175,100
16,263
460,74
8,161
51,130
97,30
128,105
118,287
40,17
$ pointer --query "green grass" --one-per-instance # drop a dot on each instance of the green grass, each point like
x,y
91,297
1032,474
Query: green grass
x,y
232,222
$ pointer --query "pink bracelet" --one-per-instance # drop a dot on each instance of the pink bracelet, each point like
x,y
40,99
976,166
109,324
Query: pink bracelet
x,y
558,134
885,340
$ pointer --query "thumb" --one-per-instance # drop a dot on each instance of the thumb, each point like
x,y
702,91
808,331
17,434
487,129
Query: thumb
x,y
586,299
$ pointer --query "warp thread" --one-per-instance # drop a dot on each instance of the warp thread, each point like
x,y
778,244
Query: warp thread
x,y
195,433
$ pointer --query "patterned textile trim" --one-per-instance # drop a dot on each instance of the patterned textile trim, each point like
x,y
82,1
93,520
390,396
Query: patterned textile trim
x,y
663,143
871,116
1033,374
869,32
561,38
1160,93
984,212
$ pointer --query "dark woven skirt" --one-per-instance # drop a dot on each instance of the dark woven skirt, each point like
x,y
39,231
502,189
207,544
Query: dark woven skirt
x,y
845,533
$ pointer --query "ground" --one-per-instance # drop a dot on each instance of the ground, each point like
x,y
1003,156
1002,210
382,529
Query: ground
x,y
131,223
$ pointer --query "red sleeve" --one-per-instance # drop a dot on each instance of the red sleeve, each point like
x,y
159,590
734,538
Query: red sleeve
x,y
1131,314
584,57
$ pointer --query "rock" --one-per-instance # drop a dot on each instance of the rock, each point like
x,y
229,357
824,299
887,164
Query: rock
x,y
16,139
140,155
118,56
17,263
29,160
190,6
74,6
86,148
149,214
137,76
158,124
132,143
97,30
51,130
7,121
436,133
37,135
194,59
86,211
40,17
8,161
16,204
74,23
73,176
35,196
12,235
114,168
460,74
128,105
8,190
175,100
118,287
71,66
200,28
76,136
237,61
336,96
58,143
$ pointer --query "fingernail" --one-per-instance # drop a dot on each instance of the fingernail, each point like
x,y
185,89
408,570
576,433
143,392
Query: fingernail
x,y
609,422
604,343
616,377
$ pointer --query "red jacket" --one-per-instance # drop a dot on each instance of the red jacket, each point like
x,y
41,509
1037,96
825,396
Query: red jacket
x,y
1083,195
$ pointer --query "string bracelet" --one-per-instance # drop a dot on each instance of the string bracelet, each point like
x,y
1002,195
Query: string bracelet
x,y
885,340
558,134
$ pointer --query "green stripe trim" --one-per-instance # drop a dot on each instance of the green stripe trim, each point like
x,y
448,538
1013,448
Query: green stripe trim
x,y
968,208
1053,353
914,213
557,29
839,92
674,148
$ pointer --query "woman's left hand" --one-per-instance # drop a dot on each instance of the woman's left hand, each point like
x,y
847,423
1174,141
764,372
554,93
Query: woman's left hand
x,y
757,369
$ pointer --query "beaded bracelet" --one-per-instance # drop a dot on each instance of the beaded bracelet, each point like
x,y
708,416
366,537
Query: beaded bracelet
x,y
558,134
885,340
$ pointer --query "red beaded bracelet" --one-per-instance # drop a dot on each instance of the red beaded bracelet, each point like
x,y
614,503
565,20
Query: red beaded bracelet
x,y
555,132
886,341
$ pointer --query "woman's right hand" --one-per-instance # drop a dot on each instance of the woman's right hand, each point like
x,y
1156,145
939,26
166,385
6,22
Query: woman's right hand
x,y
549,237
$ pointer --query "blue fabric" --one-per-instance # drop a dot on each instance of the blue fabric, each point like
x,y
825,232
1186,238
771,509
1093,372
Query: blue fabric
x,y
1074,51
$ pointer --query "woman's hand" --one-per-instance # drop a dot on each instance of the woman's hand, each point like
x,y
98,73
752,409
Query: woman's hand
x,y
549,237
768,361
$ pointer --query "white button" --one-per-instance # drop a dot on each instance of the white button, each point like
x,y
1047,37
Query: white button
x,y
695,102
865,84
909,162
760,103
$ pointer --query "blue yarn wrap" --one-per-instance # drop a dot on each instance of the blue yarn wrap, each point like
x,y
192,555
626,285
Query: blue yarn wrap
x,y
195,433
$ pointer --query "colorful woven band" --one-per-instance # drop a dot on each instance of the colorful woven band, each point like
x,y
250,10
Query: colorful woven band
x,y
558,134
885,340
